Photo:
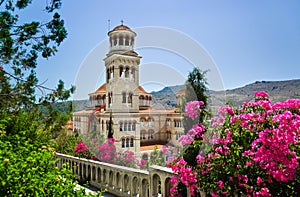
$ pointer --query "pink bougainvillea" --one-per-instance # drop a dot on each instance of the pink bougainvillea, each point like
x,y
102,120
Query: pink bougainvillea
x,y
195,132
80,148
192,108
255,150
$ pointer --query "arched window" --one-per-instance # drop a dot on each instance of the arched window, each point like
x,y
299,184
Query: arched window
x,y
127,41
130,97
115,41
111,72
121,40
123,143
123,97
121,126
168,122
150,122
126,72
143,135
132,74
131,142
104,99
141,100
142,123
127,142
125,126
150,135
121,69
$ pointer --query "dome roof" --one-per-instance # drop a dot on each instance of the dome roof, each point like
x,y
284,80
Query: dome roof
x,y
121,27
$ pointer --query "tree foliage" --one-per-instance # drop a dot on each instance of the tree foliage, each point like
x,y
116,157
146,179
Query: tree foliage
x,y
21,44
196,87
27,165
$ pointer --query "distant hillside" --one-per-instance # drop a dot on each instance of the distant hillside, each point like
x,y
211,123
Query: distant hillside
x,y
277,90
166,98
76,105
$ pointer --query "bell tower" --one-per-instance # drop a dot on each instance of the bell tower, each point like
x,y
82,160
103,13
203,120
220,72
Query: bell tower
x,y
122,71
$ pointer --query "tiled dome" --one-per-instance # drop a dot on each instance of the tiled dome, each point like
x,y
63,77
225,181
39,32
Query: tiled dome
x,y
121,27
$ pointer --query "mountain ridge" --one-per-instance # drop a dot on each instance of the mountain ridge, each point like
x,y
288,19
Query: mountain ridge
x,y
277,90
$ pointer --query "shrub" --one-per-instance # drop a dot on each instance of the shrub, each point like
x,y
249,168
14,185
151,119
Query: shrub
x,y
27,164
254,150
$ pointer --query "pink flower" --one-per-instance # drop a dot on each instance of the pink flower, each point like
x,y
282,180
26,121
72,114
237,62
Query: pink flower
x,y
225,110
164,150
259,181
220,184
261,94
80,148
192,108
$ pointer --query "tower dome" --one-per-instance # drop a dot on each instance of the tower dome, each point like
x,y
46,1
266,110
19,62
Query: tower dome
x,y
121,38
121,27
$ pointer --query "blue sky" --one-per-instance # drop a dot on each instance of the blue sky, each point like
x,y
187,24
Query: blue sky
x,y
248,41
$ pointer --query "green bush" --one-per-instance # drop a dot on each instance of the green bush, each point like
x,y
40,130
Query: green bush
x,y
27,164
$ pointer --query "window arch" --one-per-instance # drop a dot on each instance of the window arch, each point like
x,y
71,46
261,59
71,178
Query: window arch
x,y
127,125
142,122
130,97
121,126
127,142
124,97
126,71
121,40
150,122
150,134
126,41
131,142
115,41
123,142
143,135
121,70
132,74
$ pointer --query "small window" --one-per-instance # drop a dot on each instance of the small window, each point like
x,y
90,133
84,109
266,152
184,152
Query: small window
x,y
124,97
123,143
127,41
121,126
131,142
121,41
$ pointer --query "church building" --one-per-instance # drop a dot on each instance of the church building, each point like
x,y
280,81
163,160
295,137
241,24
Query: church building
x,y
136,124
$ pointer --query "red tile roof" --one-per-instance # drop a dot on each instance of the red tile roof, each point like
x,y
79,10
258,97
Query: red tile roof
x,y
121,27
101,89
142,90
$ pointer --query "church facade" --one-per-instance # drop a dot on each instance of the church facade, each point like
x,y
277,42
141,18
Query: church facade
x,y
136,124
